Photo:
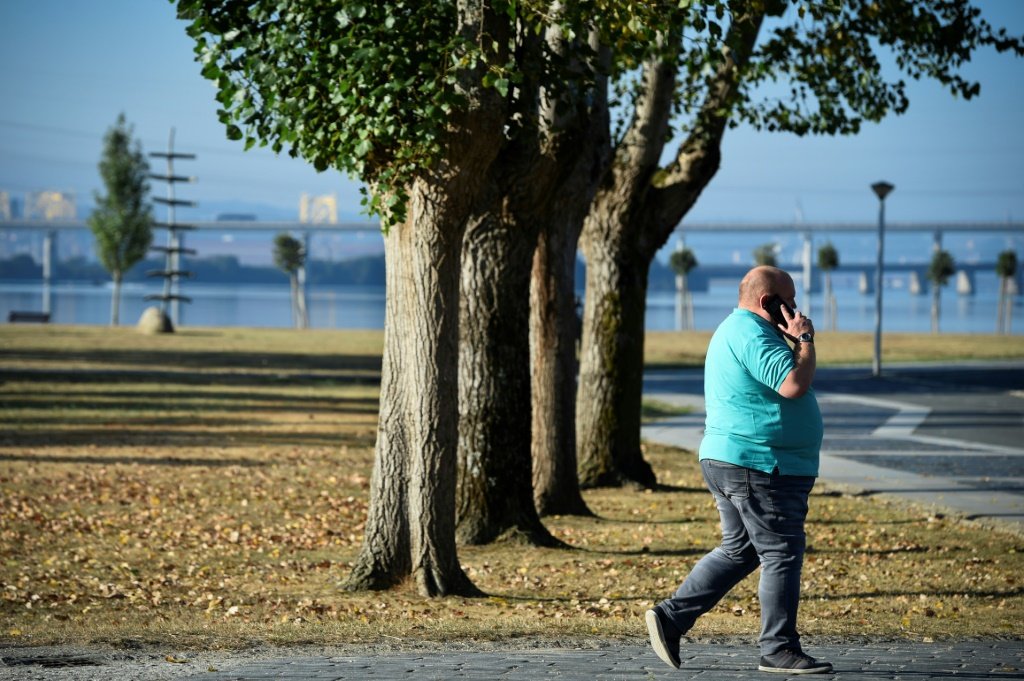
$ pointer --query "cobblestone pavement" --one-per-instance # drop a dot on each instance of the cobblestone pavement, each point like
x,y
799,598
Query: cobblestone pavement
x,y
875,661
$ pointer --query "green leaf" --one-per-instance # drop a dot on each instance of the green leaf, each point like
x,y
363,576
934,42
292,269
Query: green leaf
x,y
363,148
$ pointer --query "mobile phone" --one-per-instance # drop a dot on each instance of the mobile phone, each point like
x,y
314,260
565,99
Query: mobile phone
x,y
774,306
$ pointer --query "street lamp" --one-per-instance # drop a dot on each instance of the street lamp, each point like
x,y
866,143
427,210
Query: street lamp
x,y
881,189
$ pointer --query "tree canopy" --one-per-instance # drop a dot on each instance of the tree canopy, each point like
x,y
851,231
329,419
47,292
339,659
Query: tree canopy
x,y
1006,264
123,219
828,257
289,255
941,268
682,261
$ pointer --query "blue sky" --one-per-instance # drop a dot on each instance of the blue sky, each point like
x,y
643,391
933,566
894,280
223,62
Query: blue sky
x,y
68,67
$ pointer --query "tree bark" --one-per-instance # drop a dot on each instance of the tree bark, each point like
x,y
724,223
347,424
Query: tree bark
x,y
936,294
494,495
554,332
611,364
539,173
582,151
410,527
611,360
636,210
115,301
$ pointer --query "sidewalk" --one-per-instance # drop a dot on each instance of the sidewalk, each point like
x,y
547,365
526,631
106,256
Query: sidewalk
x,y
876,661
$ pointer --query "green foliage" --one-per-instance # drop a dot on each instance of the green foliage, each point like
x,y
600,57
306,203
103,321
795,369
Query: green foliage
x,y
372,88
941,268
682,261
362,87
289,255
1006,264
123,220
765,255
829,56
828,258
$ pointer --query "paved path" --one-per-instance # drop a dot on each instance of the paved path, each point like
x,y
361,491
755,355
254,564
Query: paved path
x,y
712,662
945,436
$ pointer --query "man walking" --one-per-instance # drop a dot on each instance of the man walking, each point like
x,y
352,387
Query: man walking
x,y
759,457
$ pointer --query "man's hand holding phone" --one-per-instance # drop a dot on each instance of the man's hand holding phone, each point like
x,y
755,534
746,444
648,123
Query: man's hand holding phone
x,y
793,324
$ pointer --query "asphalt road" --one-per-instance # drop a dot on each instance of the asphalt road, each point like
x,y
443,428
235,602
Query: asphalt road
x,y
949,436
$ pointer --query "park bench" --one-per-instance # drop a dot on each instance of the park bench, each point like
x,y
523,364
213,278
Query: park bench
x,y
23,316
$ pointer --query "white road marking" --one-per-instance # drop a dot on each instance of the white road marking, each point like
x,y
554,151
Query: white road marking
x,y
908,417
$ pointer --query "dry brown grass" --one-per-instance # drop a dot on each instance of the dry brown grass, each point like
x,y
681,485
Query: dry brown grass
x,y
197,496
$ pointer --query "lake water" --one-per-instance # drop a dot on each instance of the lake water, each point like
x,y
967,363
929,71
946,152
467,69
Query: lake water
x,y
363,307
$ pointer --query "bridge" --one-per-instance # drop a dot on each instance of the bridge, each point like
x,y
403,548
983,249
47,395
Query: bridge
x,y
699,279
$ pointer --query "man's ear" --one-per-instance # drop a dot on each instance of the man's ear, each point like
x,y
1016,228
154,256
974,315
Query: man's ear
x,y
762,302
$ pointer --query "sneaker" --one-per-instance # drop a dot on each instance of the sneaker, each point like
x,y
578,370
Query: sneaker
x,y
792,662
665,645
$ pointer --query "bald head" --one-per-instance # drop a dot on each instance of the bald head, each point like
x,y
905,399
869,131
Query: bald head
x,y
765,281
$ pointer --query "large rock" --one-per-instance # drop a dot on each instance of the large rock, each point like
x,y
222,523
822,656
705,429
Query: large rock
x,y
153,320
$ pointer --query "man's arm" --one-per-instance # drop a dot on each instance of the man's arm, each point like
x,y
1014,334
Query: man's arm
x,y
800,378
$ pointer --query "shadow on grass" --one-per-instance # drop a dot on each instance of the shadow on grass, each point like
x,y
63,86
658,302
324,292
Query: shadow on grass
x,y
139,460
194,377
673,553
184,438
180,402
199,359
133,397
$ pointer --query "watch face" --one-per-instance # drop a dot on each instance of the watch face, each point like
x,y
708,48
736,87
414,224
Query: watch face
x,y
806,337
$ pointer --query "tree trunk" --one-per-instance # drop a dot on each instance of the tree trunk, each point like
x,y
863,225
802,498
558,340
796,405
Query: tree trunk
x,y
553,334
582,151
300,298
294,286
636,210
1009,309
830,318
612,358
494,488
1000,315
936,293
115,301
410,528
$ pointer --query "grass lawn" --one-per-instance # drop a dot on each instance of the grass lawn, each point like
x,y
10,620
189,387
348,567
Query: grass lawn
x,y
209,488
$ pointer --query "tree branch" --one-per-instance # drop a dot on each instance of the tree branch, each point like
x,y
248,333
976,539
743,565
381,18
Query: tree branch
x,y
697,160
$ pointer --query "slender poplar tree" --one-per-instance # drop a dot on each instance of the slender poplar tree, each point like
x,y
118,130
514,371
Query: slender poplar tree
x,y
123,220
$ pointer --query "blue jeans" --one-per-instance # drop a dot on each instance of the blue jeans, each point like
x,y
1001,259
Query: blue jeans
x,y
762,524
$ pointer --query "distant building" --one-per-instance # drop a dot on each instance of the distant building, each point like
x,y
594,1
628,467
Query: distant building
x,y
5,206
319,210
51,205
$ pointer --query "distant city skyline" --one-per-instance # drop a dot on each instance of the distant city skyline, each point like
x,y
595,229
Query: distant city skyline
x,y
68,68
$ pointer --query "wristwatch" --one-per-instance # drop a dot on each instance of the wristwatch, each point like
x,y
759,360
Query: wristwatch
x,y
805,338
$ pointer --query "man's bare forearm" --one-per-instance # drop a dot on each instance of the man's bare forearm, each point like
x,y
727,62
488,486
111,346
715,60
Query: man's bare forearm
x,y
800,378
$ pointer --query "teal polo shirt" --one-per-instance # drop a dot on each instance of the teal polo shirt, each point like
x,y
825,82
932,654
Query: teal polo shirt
x,y
749,423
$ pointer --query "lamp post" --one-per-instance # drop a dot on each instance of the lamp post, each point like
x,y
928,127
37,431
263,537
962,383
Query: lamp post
x,y
881,189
